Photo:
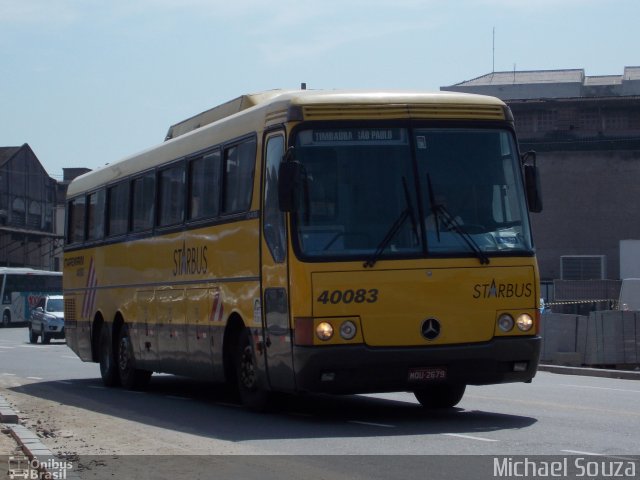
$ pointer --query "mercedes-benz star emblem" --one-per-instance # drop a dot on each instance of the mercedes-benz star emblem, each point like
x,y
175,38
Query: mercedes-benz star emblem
x,y
430,329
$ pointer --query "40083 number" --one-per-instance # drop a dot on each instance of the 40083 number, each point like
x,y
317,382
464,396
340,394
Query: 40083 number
x,y
360,295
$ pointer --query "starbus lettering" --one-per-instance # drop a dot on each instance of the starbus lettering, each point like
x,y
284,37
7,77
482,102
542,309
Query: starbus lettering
x,y
189,260
502,290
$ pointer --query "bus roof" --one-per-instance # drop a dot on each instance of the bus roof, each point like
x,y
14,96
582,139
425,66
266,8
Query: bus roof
x,y
26,271
255,111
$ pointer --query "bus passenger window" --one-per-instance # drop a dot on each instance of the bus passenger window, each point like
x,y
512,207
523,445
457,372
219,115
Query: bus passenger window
x,y
171,195
118,216
143,197
95,216
75,219
239,162
204,186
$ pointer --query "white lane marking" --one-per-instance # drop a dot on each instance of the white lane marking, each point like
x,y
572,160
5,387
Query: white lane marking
x,y
97,387
175,397
601,388
72,357
9,374
371,424
591,454
35,378
470,437
64,382
578,452
8,348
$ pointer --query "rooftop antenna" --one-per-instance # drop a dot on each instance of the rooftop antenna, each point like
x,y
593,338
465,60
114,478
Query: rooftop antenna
x,y
493,53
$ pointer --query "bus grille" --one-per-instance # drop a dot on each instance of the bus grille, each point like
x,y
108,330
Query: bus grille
x,y
439,112
70,310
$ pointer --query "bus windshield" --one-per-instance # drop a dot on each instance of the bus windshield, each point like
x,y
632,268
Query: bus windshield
x,y
376,193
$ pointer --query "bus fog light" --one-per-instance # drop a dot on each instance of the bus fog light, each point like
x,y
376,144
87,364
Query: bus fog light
x,y
348,330
524,322
520,366
505,322
324,331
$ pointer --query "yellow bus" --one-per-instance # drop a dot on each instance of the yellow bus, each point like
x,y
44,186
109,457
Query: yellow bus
x,y
313,241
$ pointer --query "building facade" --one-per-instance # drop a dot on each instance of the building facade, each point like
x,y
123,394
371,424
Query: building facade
x,y
29,236
586,132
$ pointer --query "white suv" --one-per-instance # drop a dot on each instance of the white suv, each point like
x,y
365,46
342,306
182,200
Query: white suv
x,y
47,319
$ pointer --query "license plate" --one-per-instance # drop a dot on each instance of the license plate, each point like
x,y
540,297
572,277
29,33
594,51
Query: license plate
x,y
427,374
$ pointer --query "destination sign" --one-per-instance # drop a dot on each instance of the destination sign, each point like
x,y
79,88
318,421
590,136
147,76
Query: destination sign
x,y
353,136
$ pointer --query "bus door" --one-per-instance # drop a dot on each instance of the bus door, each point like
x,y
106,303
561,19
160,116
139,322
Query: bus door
x,y
275,302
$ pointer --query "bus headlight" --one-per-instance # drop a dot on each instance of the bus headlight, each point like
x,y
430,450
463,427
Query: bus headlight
x,y
505,322
348,330
324,331
524,322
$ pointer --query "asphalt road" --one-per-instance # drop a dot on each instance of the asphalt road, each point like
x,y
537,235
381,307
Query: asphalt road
x,y
556,416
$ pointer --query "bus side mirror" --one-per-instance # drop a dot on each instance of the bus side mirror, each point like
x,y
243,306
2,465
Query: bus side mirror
x,y
289,182
532,182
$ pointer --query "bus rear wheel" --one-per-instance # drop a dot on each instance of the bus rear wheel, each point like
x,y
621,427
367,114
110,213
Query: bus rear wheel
x,y
440,396
131,377
108,367
249,389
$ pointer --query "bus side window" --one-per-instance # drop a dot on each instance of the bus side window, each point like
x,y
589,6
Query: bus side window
x,y
239,162
118,216
95,215
171,195
274,220
143,196
75,220
204,186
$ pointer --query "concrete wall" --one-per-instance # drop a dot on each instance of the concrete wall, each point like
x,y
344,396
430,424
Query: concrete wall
x,y
602,338
590,204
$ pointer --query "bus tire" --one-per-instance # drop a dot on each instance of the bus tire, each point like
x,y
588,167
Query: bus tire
x,y
251,394
440,396
108,366
33,336
6,318
131,378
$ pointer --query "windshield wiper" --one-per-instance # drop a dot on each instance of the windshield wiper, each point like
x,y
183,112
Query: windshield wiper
x,y
408,212
438,209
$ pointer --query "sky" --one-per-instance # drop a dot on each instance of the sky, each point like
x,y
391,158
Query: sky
x,y
87,82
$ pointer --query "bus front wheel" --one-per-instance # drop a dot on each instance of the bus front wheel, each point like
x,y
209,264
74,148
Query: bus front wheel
x,y
251,394
131,378
108,367
440,396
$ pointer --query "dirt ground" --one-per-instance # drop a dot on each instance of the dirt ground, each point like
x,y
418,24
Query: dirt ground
x,y
72,431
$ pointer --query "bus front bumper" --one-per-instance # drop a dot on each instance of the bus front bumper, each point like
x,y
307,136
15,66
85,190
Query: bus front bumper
x,y
363,369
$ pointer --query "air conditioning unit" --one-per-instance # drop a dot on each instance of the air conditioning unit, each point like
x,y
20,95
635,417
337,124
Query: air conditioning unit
x,y
583,267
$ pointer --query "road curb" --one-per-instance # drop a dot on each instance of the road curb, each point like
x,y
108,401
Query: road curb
x,y
591,372
28,441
